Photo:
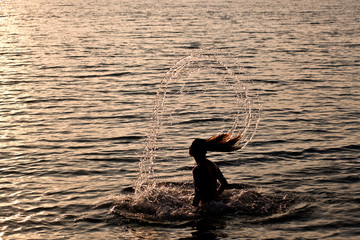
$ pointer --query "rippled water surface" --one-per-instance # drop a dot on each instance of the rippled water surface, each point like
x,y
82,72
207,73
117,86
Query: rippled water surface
x,y
78,82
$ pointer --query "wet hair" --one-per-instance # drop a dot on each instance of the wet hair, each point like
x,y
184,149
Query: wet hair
x,y
218,143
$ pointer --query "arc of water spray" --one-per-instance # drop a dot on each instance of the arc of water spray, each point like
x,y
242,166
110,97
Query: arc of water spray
x,y
184,68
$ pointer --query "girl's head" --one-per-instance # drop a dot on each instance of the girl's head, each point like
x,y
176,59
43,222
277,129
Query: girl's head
x,y
198,148
217,143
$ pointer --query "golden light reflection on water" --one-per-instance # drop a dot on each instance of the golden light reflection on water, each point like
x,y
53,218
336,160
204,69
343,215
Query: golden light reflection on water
x,y
13,41
13,117
63,133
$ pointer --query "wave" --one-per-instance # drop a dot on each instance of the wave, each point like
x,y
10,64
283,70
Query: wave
x,y
103,75
313,150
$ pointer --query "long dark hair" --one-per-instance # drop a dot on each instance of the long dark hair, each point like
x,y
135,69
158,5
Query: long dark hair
x,y
218,143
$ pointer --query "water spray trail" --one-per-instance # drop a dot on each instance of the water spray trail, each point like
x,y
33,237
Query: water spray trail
x,y
181,80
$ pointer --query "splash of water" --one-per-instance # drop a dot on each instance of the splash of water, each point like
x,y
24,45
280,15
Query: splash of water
x,y
171,202
205,82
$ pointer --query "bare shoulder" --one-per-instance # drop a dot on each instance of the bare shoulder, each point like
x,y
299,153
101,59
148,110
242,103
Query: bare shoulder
x,y
214,165
195,169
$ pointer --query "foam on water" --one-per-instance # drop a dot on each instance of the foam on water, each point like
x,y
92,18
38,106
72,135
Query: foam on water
x,y
170,202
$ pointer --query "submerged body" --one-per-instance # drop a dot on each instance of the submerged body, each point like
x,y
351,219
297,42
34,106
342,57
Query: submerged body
x,y
206,174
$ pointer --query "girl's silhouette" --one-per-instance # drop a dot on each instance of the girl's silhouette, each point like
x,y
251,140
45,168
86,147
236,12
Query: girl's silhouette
x,y
206,173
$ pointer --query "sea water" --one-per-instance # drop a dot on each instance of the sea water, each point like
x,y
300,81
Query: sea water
x,y
79,84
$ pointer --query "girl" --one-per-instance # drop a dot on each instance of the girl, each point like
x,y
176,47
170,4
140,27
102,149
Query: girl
x,y
206,173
